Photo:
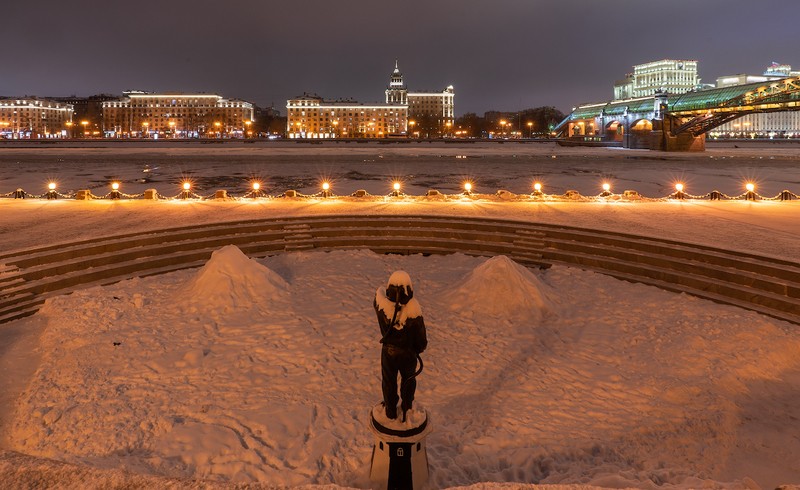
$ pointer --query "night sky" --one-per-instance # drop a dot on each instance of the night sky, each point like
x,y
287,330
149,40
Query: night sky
x,y
498,54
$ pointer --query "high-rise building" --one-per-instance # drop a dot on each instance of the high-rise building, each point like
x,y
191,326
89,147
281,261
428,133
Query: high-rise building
x,y
33,117
142,114
671,76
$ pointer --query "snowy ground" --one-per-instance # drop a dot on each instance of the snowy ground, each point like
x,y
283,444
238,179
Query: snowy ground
x,y
244,372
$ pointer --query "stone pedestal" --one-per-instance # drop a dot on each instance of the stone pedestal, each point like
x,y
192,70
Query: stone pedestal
x,y
399,457
83,195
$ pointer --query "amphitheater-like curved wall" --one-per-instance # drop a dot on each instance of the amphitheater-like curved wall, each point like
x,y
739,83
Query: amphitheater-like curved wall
x,y
766,285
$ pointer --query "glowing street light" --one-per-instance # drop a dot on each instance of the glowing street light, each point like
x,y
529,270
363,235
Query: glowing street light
x,y
396,189
326,189
750,195
51,191
606,190
679,191
114,194
468,188
187,188
256,189
537,188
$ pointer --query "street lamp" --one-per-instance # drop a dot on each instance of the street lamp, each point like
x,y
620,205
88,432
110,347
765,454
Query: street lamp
x,y
218,125
412,123
530,129
84,124
145,129
172,128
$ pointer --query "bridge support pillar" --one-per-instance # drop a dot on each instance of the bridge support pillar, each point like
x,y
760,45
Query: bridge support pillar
x,y
661,138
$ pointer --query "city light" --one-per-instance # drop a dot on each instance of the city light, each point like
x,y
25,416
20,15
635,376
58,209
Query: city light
x,y
51,186
326,186
679,187
750,187
187,186
606,187
467,187
537,187
256,186
115,186
396,186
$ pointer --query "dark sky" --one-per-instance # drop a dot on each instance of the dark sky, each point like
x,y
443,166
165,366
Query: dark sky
x,y
498,54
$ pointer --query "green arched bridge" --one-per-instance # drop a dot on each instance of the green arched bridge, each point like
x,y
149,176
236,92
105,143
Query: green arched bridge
x,y
675,122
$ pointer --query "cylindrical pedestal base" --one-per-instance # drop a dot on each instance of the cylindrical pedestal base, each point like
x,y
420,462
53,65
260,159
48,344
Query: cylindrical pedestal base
x,y
399,458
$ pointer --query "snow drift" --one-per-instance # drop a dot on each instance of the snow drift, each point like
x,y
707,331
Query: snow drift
x,y
230,280
501,287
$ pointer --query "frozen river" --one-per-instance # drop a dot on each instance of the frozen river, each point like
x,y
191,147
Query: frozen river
x,y
420,166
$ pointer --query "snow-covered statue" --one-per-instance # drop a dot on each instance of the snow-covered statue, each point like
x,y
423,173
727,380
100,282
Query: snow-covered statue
x,y
403,337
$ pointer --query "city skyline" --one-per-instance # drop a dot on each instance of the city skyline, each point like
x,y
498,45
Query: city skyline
x,y
507,55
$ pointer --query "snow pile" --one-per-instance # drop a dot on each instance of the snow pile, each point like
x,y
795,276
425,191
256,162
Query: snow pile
x,y
502,288
230,281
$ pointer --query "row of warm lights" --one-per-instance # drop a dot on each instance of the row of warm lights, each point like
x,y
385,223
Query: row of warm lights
x,y
326,186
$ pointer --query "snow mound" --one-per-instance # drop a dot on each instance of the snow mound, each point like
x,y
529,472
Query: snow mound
x,y
230,280
501,287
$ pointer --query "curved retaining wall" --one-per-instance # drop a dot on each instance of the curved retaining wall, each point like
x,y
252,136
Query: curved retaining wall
x,y
766,285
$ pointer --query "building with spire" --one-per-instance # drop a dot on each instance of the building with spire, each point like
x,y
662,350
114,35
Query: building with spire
x,y
396,93
430,114
415,114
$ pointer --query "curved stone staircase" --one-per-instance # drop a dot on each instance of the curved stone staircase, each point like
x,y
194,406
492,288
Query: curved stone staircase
x,y
767,285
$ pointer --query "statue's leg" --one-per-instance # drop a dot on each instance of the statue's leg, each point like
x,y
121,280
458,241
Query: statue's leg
x,y
389,383
408,365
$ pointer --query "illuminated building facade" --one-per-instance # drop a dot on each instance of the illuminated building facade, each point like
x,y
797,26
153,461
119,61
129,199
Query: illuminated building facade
x,y
671,76
310,116
141,114
34,118
422,114
430,114
760,125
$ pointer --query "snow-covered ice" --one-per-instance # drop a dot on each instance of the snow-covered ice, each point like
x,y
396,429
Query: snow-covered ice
x,y
264,371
